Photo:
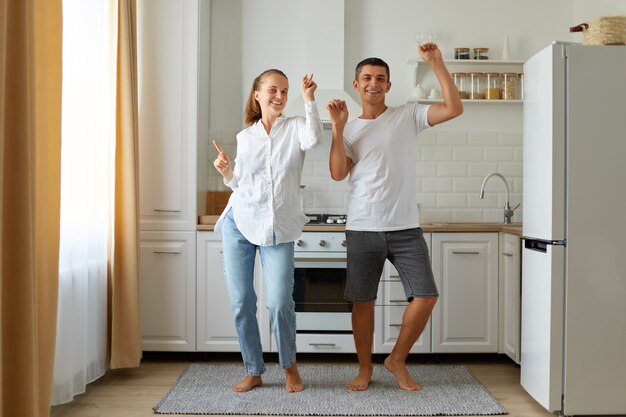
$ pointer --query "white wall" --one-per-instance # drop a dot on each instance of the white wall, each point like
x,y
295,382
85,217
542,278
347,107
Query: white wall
x,y
250,36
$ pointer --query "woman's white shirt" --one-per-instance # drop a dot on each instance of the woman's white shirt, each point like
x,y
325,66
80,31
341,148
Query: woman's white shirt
x,y
266,177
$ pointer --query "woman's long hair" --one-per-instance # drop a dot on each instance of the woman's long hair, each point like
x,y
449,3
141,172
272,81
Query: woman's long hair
x,y
253,110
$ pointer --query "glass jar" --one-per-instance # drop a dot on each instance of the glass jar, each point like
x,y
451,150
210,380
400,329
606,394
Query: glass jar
x,y
461,81
492,86
461,53
476,80
481,53
520,86
510,86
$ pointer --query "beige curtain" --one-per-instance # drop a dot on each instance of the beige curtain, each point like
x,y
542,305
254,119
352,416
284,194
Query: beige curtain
x,y
30,158
125,336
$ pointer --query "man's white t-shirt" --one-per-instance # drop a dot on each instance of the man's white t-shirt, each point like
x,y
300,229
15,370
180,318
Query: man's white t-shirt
x,y
383,194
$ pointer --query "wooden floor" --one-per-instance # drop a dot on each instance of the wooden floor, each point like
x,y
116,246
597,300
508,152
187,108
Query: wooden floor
x,y
133,392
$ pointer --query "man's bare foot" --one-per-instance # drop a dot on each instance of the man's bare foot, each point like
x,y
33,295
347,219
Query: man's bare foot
x,y
362,380
247,383
293,382
398,369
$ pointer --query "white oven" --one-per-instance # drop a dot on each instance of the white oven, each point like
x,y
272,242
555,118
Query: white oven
x,y
323,316
319,281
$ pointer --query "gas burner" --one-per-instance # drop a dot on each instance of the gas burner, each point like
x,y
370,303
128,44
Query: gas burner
x,y
322,219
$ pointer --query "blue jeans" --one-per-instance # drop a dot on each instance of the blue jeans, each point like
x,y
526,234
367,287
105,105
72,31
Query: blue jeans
x,y
278,275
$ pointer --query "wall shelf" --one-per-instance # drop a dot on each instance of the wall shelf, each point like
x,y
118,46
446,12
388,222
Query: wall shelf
x,y
498,102
511,65
472,62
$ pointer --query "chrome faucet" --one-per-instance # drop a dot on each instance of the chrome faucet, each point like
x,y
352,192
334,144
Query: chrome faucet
x,y
508,212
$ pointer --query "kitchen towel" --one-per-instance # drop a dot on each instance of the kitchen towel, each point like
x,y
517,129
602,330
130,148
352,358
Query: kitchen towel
x,y
447,390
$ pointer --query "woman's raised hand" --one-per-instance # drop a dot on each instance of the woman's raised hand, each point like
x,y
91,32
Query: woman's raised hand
x,y
222,163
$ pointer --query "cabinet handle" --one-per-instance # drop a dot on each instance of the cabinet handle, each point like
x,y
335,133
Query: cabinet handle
x,y
507,254
395,325
398,301
166,252
166,211
462,252
322,344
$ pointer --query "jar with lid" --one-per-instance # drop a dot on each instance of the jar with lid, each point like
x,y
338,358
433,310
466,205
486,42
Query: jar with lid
x,y
492,86
461,53
510,86
476,81
461,80
481,53
520,86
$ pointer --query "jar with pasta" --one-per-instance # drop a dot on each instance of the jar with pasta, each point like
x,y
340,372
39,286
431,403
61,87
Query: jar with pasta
x,y
461,81
510,86
492,86
476,80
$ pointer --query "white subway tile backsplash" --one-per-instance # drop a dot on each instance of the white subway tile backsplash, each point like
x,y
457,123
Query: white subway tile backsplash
x,y
512,138
482,138
450,200
497,153
467,153
510,169
451,138
438,185
436,153
482,169
450,167
426,169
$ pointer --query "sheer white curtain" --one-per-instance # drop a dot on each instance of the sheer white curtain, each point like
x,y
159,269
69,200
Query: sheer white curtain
x,y
87,173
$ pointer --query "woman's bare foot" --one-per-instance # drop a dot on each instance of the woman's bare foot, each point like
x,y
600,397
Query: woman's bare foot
x,y
362,380
247,383
293,382
398,369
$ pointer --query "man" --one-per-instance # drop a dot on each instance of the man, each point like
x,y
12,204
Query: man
x,y
378,150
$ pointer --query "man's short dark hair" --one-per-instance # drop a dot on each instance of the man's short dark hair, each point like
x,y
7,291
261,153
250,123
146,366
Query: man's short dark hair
x,y
377,62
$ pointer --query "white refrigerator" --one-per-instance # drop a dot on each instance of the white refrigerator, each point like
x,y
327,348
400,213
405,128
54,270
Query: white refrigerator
x,y
573,349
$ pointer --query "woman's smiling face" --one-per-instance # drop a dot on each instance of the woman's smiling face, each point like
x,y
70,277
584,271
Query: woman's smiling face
x,y
272,96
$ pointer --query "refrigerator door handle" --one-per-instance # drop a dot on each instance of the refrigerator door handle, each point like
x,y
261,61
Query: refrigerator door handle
x,y
541,245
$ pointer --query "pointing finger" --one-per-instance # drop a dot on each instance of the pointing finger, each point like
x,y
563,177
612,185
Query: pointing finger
x,y
218,147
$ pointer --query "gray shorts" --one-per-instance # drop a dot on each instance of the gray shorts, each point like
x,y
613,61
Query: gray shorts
x,y
405,249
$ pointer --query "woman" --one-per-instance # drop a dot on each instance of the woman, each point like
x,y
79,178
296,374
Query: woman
x,y
264,212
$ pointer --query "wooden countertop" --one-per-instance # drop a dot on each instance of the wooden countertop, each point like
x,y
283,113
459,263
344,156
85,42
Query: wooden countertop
x,y
434,227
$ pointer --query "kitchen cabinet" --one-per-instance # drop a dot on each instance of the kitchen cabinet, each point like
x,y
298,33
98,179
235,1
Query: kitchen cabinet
x,y
167,41
168,33
390,305
167,291
465,319
423,74
511,294
215,328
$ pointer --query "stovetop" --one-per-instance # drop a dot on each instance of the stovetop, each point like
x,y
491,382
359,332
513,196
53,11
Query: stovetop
x,y
326,219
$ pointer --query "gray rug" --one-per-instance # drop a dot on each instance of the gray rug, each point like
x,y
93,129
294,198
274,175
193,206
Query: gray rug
x,y
447,390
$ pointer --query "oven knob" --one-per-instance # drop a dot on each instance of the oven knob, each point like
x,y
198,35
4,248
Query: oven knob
x,y
322,242
344,244
300,242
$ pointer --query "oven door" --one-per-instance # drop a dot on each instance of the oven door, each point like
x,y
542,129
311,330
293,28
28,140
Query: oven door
x,y
319,283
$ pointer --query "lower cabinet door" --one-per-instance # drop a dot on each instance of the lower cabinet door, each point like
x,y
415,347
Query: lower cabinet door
x,y
216,330
167,291
465,318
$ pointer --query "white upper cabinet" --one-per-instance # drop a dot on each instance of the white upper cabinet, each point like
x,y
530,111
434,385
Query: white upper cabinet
x,y
167,34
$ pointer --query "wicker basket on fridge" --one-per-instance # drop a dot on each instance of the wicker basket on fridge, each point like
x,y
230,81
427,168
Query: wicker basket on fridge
x,y
604,30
